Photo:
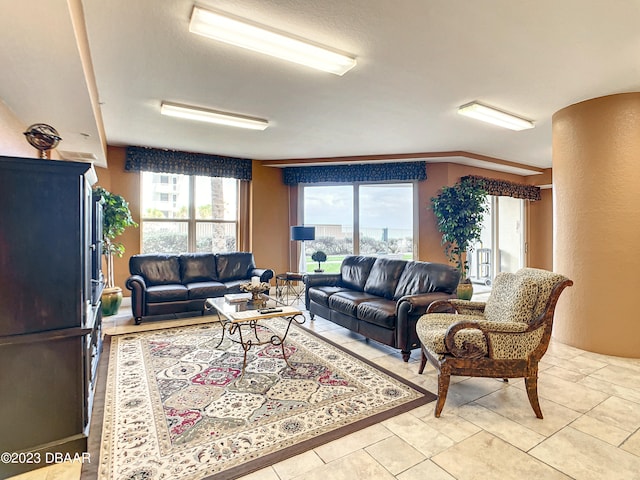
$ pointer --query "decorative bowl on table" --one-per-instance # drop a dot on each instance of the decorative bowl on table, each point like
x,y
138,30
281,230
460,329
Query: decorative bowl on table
x,y
256,290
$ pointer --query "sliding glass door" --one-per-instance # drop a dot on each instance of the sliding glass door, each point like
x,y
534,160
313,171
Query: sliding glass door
x,y
502,244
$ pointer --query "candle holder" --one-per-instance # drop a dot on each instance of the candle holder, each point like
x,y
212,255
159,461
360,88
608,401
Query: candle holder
x,y
256,290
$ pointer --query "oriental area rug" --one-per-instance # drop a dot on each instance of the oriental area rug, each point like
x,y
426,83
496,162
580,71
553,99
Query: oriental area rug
x,y
178,407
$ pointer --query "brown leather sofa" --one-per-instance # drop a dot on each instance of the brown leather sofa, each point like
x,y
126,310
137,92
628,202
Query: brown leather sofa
x,y
380,298
164,284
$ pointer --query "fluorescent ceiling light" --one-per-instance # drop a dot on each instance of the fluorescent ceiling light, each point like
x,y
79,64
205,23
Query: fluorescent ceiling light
x,y
245,34
212,116
496,117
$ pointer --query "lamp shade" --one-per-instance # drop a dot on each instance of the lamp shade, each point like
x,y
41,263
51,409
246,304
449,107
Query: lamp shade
x,y
302,233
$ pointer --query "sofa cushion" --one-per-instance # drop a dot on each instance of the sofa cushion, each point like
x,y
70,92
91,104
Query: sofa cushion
x,y
156,269
379,311
347,301
234,266
426,277
197,267
321,294
167,293
354,271
512,299
383,277
206,290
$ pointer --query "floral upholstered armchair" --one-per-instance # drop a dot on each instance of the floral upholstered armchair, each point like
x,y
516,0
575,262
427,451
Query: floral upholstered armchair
x,y
502,338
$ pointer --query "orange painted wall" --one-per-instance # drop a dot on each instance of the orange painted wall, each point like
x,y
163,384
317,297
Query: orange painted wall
x,y
269,218
596,175
540,232
127,184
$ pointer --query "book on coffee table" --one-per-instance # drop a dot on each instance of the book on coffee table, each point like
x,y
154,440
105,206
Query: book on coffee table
x,y
237,297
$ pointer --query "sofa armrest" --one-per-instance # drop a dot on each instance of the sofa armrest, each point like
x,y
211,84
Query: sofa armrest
x,y
138,288
418,304
325,279
265,274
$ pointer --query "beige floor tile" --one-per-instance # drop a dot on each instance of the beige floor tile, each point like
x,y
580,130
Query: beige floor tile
x,y
584,457
601,430
453,426
298,465
610,388
624,376
418,434
632,444
513,403
395,454
355,466
423,471
569,394
565,374
353,442
500,426
485,456
619,413
582,364
58,471
563,351
612,360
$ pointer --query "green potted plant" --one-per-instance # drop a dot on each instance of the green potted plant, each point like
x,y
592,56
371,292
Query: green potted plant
x,y
319,257
459,211
116,217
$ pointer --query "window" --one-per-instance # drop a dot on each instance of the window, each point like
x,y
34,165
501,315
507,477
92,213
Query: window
x,y
182,213
367,219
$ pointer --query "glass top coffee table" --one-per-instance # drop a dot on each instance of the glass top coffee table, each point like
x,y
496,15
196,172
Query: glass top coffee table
x,y
240,321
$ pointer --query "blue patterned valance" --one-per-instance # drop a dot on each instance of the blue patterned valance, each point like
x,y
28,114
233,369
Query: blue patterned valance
x,y
505,188
171,161
357,172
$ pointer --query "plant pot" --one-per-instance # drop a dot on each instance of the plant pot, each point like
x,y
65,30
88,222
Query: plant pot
x,y
111,299
465,291
319,270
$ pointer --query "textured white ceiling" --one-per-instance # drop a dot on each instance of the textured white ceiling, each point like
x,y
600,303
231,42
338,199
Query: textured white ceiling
x,y
417,62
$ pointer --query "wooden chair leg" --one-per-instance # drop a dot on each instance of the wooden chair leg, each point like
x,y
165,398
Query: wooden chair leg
x,y
532,392
423,363
443,388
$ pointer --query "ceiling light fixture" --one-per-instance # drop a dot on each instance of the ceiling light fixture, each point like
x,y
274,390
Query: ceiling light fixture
x,y
212,116
246,34
496,117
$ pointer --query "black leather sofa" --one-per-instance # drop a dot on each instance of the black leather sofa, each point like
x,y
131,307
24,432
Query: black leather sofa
x,y
380,298
164,284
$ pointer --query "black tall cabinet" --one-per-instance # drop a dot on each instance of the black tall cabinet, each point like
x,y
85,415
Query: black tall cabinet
x,y
50,319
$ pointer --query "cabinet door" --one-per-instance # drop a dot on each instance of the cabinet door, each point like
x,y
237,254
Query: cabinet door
x,y
41,249
41,392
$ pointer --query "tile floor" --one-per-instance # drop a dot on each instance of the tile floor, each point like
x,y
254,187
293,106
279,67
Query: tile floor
x,y
487,430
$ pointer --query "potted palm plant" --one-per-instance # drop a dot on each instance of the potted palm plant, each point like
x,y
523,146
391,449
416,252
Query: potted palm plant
x,y
116,217
459,211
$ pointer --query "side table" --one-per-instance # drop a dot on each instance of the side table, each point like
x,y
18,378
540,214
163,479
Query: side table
x,y
287,287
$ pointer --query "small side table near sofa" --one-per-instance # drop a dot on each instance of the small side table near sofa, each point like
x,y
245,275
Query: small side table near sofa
x,y
288,289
